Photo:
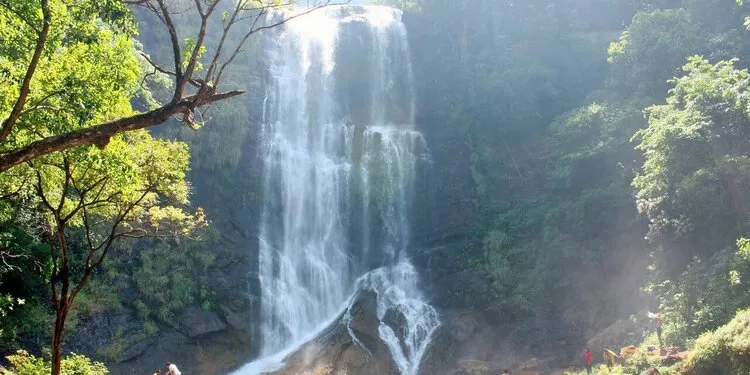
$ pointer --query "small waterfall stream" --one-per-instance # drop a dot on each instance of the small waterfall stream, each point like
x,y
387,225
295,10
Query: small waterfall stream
x,y
339,156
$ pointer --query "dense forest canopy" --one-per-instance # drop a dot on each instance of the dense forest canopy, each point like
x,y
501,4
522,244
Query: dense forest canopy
x,y
607,147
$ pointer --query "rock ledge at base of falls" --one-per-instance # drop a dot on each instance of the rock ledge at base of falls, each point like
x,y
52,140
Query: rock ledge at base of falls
x,y
195,322
334,351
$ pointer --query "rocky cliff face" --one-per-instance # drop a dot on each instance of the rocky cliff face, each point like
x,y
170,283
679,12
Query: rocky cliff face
x,y
201,341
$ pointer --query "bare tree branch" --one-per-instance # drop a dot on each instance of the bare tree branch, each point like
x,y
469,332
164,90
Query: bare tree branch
x,y
100,134
165,71
254,30
224,34
89,268
195,54
157,66
175,44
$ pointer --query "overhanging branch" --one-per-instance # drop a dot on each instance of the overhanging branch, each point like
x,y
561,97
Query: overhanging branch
x,y
100,134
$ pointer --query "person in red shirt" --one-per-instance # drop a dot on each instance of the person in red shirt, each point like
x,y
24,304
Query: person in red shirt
x,y
588,359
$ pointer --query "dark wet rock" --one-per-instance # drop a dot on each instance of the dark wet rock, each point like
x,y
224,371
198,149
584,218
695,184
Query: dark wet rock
x,y
209,354
115,336
395,319
200,342
529,366
136,348
474,367
621,333
365,316
463,335
334,351
195,321
468,342
237,314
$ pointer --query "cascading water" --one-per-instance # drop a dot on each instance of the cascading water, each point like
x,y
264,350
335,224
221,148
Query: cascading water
x,y
339,152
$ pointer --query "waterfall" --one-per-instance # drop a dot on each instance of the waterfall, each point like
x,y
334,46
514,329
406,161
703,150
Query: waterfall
x,y
339,153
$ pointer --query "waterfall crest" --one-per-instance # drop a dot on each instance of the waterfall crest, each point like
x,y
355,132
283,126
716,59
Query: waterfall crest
x,y
339,156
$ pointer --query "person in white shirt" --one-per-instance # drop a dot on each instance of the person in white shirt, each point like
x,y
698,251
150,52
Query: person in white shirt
x,y
172,369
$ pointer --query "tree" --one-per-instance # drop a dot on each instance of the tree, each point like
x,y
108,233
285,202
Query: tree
x,y
651,51
693,184
37,33
693,187
90,198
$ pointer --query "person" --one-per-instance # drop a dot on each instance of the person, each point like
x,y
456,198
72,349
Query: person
x,y
172,369
657,323
157,372
610,358
506,371
588,360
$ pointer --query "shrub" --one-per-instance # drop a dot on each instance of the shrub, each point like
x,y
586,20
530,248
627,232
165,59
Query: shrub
x,y
724,351
23,363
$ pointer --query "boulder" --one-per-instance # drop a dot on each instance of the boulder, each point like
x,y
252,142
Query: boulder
x,y
335,352
564,371
209,354
395,319
113,336
529,366
474,367
628,351
237,314
194,321
621,333
128,346
673,358
465,343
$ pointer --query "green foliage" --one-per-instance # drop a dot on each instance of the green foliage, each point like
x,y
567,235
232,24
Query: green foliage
x,y
507,268
724,351
218,146
23,363
651,51
695,169
112,351
691,186
88,72
551,181
592,136
705,296
23,287
170,276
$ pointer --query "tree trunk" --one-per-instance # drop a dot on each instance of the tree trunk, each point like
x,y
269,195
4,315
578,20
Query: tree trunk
x,y
61,314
